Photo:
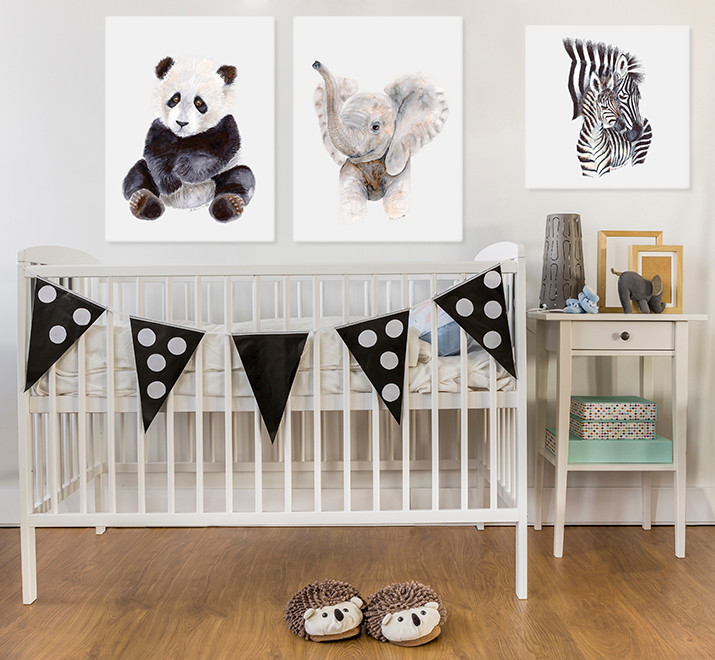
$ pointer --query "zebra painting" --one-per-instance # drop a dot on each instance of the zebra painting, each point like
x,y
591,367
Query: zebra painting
x,y
604,87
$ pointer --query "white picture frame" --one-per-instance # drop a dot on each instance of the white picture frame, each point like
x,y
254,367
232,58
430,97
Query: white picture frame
x,y
430,45
133,47
663,53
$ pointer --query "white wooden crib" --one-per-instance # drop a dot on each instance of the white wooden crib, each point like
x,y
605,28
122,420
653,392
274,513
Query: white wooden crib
x,y
459,456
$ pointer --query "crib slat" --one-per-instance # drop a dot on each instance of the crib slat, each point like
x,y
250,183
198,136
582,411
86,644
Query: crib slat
x,y
463,417
228,392
55,439
434,397
287,416
347,449
170,415
82,418
493,438
258,446
317,402
406,302
111,401
375,417
199,414
141,435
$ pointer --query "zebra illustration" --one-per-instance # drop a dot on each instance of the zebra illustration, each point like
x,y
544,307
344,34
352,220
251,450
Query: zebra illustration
x,y
604,88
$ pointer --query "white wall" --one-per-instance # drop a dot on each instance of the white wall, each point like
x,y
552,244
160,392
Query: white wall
x,y
52,169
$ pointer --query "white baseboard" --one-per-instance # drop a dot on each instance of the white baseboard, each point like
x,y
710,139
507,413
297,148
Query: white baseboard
x,y
584,506
624,506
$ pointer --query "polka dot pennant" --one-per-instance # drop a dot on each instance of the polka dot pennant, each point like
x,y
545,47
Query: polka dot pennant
x,y
478,305
270,361
59,318
161,353
379,345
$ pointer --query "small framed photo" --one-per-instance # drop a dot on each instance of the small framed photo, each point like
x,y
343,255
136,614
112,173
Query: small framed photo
x,y
613,252
666,261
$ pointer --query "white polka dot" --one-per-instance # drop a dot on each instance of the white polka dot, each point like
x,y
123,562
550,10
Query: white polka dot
x,y
176,345
156,390
156,362
492,309
81,316
464,307
394,328
47,294
146,337
390,392
367,338
492,339
389,360
492,279
57,334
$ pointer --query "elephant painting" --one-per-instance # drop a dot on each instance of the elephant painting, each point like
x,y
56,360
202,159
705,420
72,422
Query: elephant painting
x,y
373,136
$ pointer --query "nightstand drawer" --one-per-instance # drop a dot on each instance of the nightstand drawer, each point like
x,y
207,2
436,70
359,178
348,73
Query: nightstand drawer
x,y
628,336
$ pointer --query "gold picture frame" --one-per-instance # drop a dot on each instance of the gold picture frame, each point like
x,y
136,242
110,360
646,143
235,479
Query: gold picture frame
x,y
613,252
666,261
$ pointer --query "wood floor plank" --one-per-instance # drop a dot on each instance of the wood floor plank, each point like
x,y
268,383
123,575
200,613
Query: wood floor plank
x,y
619,592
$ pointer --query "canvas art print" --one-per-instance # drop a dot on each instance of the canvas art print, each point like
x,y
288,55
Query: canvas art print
x,y
189,129
377,131
618,108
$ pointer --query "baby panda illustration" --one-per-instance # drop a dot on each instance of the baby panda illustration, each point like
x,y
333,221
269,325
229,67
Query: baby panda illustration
x,y
191,148
406,614
325,611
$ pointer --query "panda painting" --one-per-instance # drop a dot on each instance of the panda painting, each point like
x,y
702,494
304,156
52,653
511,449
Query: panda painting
x,y
191,149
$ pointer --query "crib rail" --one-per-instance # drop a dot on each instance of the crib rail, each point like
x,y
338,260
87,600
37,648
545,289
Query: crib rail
x,y
458,457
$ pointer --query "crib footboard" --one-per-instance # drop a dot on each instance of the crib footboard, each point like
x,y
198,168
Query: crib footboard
x,y
458,455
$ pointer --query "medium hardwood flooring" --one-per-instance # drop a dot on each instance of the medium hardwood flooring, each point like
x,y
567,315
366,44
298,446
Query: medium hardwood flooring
x,y
619,592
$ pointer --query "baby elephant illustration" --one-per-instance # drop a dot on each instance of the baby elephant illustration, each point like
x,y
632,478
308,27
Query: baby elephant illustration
x,y
373,135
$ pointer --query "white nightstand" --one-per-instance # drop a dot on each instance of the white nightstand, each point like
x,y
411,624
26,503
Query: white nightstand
x,y
643,335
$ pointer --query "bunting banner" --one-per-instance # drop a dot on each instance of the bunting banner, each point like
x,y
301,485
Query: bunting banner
x,y
161,352
379,345
270,361
59,318
478,305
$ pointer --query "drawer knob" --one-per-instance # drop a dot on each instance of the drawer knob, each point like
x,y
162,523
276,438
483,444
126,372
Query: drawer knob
x,y
625,336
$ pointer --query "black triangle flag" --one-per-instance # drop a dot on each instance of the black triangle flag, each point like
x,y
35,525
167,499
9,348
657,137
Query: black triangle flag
x,y
478,305
271,363
161,352
59,318
379,345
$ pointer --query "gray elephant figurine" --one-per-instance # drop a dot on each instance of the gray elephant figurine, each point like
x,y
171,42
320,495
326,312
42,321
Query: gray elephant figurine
x,y
647,293
373,135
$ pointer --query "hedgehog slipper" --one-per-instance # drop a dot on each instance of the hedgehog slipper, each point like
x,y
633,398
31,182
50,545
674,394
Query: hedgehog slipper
x,y
406,614
325,611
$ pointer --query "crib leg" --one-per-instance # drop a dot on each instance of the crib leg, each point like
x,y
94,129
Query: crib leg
x,y
29,564
521,558
100,530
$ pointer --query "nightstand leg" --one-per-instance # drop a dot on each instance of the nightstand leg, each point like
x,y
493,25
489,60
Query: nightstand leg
x,y
563,406
542,386
680,405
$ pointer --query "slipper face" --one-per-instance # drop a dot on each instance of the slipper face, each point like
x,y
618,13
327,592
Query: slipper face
x,y
412,624
332,619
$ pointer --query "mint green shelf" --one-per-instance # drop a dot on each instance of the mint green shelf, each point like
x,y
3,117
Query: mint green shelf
x,y
659,450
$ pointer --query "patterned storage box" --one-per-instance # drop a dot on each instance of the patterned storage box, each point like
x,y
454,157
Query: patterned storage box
x,y
615,429
613,408
658,450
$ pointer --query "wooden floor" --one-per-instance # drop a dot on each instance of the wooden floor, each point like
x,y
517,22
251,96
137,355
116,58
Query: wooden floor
x,y
619,592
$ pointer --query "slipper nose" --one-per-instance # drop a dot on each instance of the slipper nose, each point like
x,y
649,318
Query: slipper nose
x,y
339,615
416,619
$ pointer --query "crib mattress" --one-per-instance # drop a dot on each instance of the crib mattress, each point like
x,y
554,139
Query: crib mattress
x,y
216,341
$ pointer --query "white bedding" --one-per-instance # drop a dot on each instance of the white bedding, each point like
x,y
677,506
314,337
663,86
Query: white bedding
x,y
213,345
